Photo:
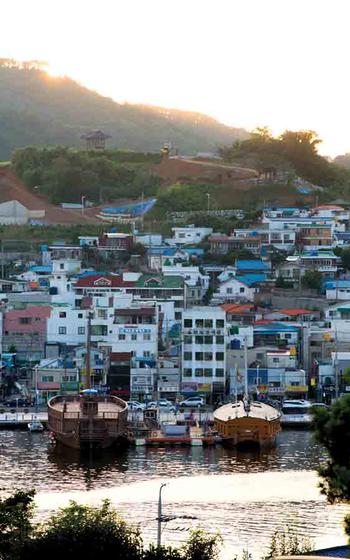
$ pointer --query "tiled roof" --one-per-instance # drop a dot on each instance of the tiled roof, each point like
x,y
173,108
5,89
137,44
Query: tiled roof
x,y
251,265
102,281
158,281
295,312
236,308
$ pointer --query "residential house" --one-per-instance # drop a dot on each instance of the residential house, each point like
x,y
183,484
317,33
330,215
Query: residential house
x,y
188,235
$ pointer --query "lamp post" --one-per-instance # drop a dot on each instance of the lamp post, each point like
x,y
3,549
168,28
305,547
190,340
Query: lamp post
x,y
36,388
159,531
208,202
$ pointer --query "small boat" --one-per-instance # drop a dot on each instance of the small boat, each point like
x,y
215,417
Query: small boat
x,y
297,413
35,425
247,422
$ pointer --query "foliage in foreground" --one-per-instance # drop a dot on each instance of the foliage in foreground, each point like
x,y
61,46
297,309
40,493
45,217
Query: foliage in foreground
x,y
286,543
332,429
79,531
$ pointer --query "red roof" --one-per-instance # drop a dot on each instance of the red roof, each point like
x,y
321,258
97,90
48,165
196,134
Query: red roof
x,y
328,207
103,281
295,312
236,308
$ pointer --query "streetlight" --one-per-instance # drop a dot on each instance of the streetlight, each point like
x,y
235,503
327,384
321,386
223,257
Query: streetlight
x,y
208,197
159,531
83,204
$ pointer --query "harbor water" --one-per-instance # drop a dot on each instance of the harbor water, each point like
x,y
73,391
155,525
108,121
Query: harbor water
x,y
243,495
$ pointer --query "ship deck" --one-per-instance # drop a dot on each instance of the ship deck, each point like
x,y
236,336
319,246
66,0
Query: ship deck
x,y
73,408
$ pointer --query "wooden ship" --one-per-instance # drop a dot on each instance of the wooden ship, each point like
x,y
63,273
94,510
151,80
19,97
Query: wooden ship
x,y
87,420
247,422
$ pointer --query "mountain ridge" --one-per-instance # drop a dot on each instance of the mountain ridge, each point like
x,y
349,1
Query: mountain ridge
x,y
38,109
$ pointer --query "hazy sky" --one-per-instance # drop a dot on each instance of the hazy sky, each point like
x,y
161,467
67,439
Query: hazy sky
x,y
282,63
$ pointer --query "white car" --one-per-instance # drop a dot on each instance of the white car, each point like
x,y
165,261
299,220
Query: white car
x,y
195,402
163,405
136,405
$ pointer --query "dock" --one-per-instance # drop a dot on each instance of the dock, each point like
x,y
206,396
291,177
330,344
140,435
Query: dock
x,y
20,420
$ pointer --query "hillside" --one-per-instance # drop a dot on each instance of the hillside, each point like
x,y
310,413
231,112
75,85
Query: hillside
x,y
36,109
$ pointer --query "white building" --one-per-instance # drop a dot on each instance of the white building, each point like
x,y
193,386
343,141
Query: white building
x,y
196,282
204,347
188,235
233,289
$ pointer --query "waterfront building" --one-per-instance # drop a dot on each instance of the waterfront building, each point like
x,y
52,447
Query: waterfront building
x,y
204,349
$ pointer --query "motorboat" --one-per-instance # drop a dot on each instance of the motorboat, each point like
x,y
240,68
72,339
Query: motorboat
x,y
35,425
297,413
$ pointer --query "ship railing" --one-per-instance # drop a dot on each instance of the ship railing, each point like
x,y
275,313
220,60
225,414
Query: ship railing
x,y
77,398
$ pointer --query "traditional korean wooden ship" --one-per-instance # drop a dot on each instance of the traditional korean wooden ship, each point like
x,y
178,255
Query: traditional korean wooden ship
x,y
87,420
246,422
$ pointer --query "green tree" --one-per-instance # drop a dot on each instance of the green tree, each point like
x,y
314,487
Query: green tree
x,y
332,429
79,531
312,279
15,523
284,542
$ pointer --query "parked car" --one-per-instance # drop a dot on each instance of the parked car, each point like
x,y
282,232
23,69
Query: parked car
x,y
195,402
136,405
13,403
163,404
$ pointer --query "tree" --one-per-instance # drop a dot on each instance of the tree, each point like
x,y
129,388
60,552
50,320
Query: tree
x,y
286,543
15,523
332,429
79,531
312,279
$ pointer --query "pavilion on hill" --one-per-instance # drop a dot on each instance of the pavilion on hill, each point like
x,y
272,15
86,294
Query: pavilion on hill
x,y
95,139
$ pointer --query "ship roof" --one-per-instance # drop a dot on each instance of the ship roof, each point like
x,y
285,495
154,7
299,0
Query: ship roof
x,y
236,410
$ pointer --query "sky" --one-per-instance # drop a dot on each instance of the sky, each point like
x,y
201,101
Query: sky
x,y
248,63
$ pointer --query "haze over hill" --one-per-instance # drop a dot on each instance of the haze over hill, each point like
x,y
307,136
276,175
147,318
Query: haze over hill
x,y
38,109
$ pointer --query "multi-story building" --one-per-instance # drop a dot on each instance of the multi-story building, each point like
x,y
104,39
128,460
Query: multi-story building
x,y
204,348
26,331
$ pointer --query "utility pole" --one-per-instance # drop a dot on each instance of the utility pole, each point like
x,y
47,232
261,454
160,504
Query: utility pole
x,y
336,365
246,394
88,350
159,519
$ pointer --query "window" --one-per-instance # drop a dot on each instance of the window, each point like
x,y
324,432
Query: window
x,y
47,378
208,356
208,340
188,339
188,356
219,356
188,323
146,353
62,330
219,340
134,337
25,320
198,372
199,340
187,372
37,319
219,372
62,315
65,378
61,266
275,360
146,336
208,323
178,314
229,290
81,330
199,323
72,378
121,337
208,372
241,290
220,323
199,356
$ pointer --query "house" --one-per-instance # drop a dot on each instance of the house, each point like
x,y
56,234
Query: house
x,y
331,211
169,256
315,235
234,289
7,286
115,242
337,289
323,261
26,330
160,287
196,282
280,335
223,244
188,235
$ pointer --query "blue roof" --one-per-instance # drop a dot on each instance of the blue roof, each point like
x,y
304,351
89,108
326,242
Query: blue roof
x,y
91,273
251,279
41,268
251,265
333,284
343,235
135,209
194,251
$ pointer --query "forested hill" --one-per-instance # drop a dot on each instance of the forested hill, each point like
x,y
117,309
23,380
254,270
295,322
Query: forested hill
x,y
38,109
